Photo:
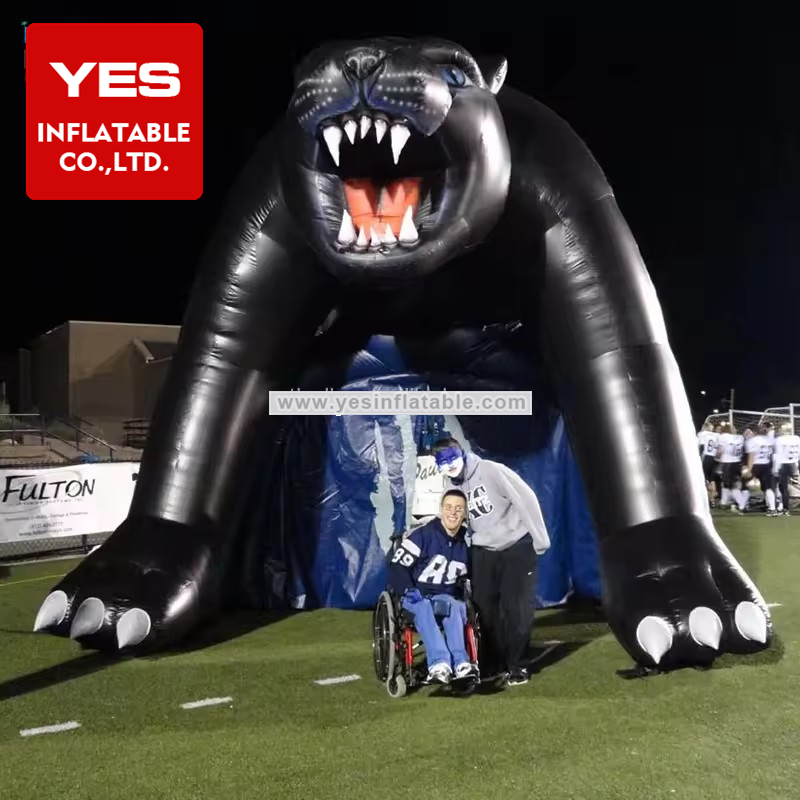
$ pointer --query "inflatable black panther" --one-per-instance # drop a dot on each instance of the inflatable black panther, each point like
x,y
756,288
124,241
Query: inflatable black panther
x,y
408,192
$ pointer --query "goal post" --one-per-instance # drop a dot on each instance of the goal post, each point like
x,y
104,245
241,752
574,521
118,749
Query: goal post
x,y
780,414
742,419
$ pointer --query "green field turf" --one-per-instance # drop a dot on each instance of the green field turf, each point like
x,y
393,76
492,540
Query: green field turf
x,y
577,730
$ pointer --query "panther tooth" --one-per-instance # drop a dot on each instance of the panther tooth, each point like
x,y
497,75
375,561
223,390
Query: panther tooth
x,y
375,240
362,238
347,231
333,138
350,128
400,135
366,124
380,129
389,237
408,232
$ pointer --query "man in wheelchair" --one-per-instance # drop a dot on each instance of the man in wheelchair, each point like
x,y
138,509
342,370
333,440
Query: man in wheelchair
x,y
428,571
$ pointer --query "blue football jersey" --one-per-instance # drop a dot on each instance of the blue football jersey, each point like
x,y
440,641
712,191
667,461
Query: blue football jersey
x,y
430,560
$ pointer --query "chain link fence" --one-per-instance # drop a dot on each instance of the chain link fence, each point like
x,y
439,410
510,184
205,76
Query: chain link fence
x,y
15,552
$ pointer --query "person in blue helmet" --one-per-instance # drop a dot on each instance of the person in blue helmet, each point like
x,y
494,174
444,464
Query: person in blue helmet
x,y
507,534
425,570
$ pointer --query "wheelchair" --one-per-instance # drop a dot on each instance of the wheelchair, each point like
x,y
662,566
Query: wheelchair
x,y
398,652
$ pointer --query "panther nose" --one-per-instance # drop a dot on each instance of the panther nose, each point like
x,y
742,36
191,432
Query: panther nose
x,y
363,61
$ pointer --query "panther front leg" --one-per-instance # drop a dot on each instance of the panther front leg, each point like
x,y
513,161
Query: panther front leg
x,y
254,312
673,593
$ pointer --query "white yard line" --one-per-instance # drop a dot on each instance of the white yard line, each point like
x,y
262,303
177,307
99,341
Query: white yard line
x,y
62,726
340,679
29,580
774,605
549,647
209,701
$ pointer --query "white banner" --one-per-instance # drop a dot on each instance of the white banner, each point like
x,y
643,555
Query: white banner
x,y
70,500
429,487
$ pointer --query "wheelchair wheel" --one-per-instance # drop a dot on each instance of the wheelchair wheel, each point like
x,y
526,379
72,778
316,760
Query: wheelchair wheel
x,y
396,686
384,653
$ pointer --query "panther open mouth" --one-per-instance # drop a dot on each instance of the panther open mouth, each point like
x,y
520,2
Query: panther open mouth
x,y
391,177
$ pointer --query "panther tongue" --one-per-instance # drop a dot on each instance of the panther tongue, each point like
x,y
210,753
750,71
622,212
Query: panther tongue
x,y
373,205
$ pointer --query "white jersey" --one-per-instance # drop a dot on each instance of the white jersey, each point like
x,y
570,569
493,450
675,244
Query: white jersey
x,y
787,449
731,446
761,447
708,441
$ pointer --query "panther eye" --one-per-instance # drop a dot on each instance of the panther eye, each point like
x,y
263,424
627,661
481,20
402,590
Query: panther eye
x,y
454,76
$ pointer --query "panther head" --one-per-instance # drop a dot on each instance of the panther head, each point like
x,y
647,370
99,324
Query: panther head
x,y
396,157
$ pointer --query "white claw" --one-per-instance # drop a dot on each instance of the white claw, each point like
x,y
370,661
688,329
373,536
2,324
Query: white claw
x,y
400,135
347,232
751,621
362,238
654,636
408,233
380,129
366,124
333,138
350,128
374,240
52,612
88,618
705,626
133,627
389,237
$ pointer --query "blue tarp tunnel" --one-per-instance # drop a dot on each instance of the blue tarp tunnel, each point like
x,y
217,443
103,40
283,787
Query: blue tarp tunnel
x,y
339,487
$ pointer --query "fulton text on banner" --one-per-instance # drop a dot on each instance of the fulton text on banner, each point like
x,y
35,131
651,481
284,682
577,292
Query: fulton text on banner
x,y
69,500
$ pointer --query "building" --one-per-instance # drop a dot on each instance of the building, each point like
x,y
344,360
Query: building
x,y
103,372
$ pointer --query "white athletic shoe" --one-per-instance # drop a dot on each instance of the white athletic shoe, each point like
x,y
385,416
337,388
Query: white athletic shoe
x,y
441,673
465,670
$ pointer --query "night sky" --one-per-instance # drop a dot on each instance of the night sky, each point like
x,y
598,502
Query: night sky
x,y
695,122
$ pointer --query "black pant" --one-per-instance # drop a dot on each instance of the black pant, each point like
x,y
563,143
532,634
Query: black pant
x,y
787,471
731,472
763,473
502,588
712,474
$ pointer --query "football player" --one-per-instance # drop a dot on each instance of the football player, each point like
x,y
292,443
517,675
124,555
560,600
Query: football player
x,y
759,461
787,455
707,441
731,447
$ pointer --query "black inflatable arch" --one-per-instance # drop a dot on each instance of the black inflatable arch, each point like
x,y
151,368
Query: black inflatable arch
x,y
496,214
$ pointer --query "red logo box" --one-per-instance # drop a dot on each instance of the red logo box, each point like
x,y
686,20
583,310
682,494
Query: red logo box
x,y
114,111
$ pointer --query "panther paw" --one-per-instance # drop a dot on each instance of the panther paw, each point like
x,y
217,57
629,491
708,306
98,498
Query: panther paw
x,y
146,586
675,596
132,627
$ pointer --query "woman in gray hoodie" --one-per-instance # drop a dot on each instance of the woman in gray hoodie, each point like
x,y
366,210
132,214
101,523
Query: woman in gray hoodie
x,y
507,533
